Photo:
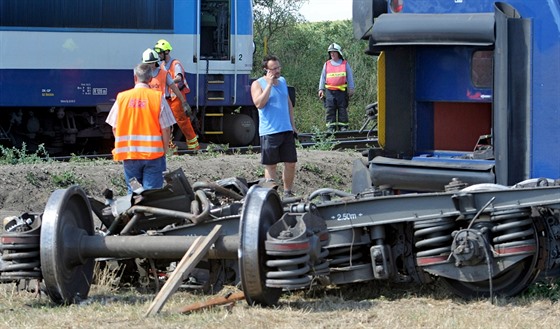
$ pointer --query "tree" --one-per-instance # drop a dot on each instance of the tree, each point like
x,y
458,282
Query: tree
x,y
271,17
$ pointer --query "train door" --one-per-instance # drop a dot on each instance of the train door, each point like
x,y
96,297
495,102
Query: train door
x,y
223,64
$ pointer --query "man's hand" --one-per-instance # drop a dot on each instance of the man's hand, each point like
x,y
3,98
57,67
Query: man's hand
x,y
350,92
321,94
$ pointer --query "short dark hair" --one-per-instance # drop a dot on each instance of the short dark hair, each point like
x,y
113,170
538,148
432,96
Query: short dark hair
x,y
268,58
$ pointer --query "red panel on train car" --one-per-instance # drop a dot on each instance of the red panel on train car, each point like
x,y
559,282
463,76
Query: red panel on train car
x,y
457,126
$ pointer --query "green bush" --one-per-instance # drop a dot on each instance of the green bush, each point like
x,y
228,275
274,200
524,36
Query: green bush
x,y
302,50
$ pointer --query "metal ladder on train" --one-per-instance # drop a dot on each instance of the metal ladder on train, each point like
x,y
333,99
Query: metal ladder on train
x,y
214,90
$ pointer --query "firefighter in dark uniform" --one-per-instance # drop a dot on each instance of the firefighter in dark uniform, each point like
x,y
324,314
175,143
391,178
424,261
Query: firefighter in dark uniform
x,y
336,86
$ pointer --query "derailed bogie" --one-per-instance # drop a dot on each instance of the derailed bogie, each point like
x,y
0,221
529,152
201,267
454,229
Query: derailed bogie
x,y
482,240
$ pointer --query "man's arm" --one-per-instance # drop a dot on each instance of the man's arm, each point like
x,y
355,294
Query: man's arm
x,y
321,92
292,117
166,136
260,96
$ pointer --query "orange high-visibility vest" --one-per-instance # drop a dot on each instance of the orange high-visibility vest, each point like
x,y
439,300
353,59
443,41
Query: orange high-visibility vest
x,y
159,82
183,85
138,131
336,76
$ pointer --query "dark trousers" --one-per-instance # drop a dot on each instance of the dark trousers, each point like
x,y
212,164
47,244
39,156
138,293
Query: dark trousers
x,y
336,106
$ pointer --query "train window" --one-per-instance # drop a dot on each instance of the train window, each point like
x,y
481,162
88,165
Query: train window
x,y
91,14
481,69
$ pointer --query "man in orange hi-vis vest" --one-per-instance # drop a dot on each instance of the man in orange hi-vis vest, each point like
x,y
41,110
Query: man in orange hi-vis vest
x,y
336,86
141,121
177,71
163,82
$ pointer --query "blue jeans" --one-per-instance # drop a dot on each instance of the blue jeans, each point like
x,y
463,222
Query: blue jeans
x,y
149,173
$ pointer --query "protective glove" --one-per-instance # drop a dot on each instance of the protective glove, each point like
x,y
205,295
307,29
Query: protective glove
x,y
187,109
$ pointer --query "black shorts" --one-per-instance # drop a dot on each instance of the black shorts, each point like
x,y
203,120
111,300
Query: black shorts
x,y
280,147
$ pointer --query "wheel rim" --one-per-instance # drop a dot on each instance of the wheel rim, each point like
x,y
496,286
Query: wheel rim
x,y
507,284
262,208
66,220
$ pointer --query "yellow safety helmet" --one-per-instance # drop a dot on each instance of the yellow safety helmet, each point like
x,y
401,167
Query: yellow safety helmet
x,y
163,45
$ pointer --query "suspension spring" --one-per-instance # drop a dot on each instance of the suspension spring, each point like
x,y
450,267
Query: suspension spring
x,y
288,264
433,239
512,230
345,256
20,257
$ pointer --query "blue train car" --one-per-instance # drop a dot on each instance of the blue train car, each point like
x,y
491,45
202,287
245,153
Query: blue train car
x,y
467,89
62,63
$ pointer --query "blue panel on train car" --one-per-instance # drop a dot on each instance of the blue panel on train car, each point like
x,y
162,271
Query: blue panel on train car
x,y
93,14
444,74
62,87
448,6
217,91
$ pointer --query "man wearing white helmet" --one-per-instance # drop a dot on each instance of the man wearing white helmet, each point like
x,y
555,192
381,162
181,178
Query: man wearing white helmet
x,y
336,86
163,82
175,68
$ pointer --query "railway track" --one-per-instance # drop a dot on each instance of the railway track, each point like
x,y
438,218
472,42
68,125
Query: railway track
x,y
358,140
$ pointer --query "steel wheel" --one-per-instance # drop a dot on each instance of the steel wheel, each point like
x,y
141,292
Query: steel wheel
x,y
66,220
507,284
262,208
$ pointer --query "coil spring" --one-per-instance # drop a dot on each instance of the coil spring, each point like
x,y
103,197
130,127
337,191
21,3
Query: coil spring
x,y
20,257
289,269
345,256
433,237
321,265
511,229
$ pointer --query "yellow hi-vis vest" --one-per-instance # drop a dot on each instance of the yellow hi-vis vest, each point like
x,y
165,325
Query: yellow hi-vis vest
x,y
138,131
335,76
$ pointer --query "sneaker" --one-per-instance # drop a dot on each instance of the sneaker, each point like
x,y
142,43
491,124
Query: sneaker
x,y
343,128
289,194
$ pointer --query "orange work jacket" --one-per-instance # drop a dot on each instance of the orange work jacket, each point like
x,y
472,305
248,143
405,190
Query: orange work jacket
x,y
138,131
336,76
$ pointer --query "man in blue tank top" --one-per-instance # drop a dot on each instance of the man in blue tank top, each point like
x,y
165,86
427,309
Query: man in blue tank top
x,y
277,128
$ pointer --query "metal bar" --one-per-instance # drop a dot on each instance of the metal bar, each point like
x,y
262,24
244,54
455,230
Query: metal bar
x,y
156,247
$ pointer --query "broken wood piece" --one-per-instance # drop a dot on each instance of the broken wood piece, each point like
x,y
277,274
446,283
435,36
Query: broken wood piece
x,y
213,302
189,261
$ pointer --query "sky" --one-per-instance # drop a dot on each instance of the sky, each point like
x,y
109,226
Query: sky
x,y
327,10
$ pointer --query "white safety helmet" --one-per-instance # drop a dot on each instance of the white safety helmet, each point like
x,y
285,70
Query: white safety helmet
x,y
335,47
150,56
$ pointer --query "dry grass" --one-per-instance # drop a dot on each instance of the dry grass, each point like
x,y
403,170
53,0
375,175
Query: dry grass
x,y
358,306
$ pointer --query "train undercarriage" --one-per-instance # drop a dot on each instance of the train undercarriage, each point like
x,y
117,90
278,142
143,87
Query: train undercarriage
x,y
83,131
482,240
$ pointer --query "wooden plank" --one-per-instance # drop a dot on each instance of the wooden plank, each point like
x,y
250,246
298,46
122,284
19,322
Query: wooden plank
x,y
191,258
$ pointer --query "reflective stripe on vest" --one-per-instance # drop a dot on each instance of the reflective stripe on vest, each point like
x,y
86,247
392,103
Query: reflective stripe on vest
x,y
138,132
335,76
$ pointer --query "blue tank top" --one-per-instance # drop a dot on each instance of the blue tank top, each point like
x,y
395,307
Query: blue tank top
x,y
274,117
